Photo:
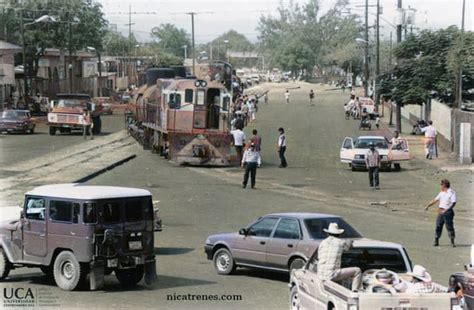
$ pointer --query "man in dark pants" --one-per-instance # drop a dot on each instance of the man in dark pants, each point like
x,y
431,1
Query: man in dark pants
x,y
282,148
447,200
372,162
251,160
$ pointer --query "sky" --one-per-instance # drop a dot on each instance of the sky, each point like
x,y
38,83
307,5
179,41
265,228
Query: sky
x,y
215,17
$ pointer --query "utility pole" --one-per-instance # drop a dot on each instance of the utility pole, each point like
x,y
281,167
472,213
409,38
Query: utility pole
x,y
390,54
459,101
71,66
399,40
194,48
25,79
377,60
366,57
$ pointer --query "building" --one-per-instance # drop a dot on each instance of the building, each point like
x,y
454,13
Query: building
x,y
7,70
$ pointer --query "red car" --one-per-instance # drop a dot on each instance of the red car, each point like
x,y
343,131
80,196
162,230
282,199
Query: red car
x,y
16,121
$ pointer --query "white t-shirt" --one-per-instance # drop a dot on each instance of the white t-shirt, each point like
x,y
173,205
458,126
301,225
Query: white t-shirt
x,y
287,95
446,199
282,140
430,131
239,137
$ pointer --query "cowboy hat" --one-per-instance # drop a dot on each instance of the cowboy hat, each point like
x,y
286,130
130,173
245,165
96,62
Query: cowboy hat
x,y
334,229
420,272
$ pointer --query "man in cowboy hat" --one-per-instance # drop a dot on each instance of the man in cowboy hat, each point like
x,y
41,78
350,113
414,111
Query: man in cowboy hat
x,y
421,281
372,162
329,258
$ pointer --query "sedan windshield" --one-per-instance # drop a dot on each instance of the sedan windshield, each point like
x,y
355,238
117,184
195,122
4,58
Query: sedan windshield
x,y
315,227
364,143
12,115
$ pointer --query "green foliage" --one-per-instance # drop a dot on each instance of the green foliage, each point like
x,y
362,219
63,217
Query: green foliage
x,y
299,38
171,39
116,44
428,64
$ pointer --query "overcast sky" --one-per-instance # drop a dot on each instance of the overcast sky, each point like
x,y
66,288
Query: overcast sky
x,y
217,16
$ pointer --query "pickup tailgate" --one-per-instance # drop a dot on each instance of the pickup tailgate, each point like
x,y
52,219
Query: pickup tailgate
x,y
386,301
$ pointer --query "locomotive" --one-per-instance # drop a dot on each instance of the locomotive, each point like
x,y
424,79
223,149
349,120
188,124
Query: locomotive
x,y
185,119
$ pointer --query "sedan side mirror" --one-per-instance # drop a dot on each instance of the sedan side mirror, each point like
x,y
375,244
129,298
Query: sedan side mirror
x,y
243,232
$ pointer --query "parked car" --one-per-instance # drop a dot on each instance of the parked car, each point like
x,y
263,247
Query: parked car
x,y
354,153
16,121
383,264
72,231
468,106
278,242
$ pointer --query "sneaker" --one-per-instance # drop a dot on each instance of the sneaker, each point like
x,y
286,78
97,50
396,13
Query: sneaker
x,y
436,243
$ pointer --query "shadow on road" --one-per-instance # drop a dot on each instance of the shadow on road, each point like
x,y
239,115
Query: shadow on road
x,y
172,251
269,275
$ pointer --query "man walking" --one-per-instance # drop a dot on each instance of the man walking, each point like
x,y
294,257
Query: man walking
x,y
239,138
446,200
282,147
256,140
87,124
251,160
329,258
372,162
430,139
311,97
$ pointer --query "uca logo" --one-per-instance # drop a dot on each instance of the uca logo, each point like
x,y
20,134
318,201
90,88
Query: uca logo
x,y
18,296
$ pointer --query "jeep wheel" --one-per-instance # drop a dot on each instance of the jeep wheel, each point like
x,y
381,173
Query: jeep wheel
x,y
5,265
294,299
129,277
223,261
67,271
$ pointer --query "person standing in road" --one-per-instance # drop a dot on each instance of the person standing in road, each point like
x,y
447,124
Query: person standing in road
x,y
446,200
282,147
430,139
238,140
372,162
311,97
329,258
251,160
87,124
287,96
257,141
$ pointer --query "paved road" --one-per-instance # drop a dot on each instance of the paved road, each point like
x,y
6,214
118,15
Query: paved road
x,y
20,147
196,202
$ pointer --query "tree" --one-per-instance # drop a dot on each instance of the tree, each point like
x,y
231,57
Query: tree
x,y
116,44
171,39
229,41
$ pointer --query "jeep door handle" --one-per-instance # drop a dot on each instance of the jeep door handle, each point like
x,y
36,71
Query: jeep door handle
x,y
262,242
290,245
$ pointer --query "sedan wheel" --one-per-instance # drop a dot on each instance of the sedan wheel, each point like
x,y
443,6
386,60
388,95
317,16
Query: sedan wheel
x,y
223,261
294,299
297,263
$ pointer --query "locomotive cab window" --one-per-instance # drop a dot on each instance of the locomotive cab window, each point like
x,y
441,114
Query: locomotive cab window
x,y
213,96
200,97
174,101
188,95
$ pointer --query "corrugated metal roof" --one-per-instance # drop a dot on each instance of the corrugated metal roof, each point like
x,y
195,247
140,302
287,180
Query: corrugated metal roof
x,y
9,46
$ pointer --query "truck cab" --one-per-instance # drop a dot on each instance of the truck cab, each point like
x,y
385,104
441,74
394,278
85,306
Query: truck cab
x,y
70,231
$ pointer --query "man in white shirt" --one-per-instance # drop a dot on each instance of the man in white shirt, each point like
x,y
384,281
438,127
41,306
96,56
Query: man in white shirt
x,y
372,162
251,160
287,96
430,139
239,139
282,148
446,200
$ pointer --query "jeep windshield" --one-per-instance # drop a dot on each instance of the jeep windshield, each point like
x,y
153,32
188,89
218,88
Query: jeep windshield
x,y
119,210
364,143
315,227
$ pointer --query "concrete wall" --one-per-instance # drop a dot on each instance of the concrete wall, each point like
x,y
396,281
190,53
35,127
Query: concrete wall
x,y
463,117
442,118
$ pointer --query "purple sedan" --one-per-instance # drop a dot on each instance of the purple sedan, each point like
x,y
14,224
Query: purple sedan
x,y
278,242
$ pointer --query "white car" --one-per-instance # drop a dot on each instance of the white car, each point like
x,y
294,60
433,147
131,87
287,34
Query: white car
x,y
376,259
354,153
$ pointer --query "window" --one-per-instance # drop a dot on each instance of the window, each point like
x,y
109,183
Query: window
x,y
89,215
263,228
133,210
60,211
76,210
174,101
200,97
35,209
111,212
188,96
347,144
315,227
374,258
287,229
226,103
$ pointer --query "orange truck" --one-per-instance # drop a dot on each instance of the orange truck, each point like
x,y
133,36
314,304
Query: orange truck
x,y
66,113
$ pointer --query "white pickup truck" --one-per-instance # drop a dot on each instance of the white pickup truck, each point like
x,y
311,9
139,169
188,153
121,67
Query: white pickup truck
x,y
354,153
308,291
